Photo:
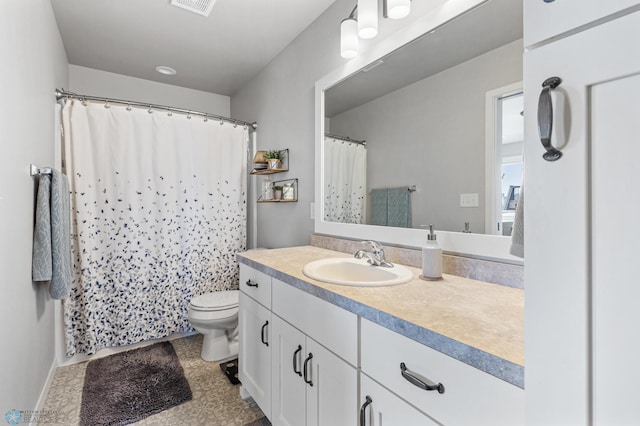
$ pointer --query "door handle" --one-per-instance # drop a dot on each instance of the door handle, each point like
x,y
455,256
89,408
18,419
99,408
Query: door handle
x,y
295,358
419,381
306,369
252,284
363,410
545,118
263,333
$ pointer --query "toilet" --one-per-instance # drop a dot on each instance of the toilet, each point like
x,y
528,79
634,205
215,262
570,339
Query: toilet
x,y
215,316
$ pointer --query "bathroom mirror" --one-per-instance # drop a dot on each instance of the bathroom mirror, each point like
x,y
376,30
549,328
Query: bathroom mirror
x,y
422,109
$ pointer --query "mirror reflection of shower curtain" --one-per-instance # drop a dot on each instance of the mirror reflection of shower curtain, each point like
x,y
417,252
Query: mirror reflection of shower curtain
x,y
158,214
345,174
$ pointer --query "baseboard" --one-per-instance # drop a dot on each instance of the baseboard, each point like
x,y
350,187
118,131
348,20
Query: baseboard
x,y
45,391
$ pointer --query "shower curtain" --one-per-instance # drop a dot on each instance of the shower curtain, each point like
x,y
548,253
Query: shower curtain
x,y
345,175
158,214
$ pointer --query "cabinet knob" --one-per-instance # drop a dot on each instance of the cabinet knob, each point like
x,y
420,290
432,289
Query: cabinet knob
x,y
306,369
363,410
419,381
295,361
545,118
263,333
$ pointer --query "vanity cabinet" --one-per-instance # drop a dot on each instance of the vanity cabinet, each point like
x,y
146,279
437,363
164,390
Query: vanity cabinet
x,y
546,19
466,396
311,386
254,322
581,281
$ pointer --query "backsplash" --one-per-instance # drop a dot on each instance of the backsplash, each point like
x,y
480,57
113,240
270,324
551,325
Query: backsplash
x,y
478,269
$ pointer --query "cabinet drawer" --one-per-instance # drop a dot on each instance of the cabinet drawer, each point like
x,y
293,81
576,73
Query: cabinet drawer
x,y
331,326
255,284
470,395
544,20
386,408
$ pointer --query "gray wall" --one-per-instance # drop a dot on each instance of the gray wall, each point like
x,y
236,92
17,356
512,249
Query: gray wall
x,y
281,99
432,134
34,63
88,81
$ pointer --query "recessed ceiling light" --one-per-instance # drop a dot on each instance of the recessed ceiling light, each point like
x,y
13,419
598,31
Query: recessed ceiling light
x,y
163,69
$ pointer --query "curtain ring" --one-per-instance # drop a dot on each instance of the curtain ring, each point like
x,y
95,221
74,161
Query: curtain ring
x,y
206,119
149,110
235,125
221,122
189,116
169,113
128,107
106,104
83,101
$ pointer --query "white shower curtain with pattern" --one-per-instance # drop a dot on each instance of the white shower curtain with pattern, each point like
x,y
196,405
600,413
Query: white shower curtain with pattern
x,y
345,174
158,215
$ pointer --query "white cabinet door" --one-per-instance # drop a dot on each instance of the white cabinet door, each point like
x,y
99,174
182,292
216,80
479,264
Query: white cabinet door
x,y
383,408
580,230
332,393
255,353
288,385
546,19
615,140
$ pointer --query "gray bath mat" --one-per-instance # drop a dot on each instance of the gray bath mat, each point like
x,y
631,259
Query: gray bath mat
x,y
127,387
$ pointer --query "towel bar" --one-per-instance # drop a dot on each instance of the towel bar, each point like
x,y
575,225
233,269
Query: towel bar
x,y
36,171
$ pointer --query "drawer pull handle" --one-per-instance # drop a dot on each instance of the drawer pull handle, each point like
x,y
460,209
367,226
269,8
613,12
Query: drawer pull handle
x,y
419,381
263,332
252,284
363,411
545,118
306,369
295,358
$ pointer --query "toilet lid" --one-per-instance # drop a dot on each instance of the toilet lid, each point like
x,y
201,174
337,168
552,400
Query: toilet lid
x,y
216,301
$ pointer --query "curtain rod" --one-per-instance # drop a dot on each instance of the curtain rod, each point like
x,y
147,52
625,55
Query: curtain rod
x,y
346,139
62,94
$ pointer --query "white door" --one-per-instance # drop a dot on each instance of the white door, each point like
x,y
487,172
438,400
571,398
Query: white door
x,y
549,18
332,392
383,408
288,385
581,236
254,361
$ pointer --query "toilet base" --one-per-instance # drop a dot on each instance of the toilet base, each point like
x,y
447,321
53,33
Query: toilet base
x,y
216,346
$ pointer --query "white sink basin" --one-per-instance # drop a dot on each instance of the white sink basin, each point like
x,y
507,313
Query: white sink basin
x,y
355,272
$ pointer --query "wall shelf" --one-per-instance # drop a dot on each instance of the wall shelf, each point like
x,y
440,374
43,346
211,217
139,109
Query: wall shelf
x,y
258,159
294,186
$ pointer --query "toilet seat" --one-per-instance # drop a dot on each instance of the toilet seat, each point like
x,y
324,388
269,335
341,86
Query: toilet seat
x,y
215,301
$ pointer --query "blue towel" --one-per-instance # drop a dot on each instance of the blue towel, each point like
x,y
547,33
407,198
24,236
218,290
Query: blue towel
x,y
399,207
52,235
379,201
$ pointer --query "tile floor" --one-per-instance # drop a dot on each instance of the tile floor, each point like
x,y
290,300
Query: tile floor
x,y
216,402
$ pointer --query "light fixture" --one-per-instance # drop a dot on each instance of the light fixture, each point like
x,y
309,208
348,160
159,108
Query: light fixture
x,y
366,24
396,9
367,18
163,69
349,38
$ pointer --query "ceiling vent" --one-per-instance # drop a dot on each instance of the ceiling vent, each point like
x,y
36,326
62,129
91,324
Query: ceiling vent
x,y
201,7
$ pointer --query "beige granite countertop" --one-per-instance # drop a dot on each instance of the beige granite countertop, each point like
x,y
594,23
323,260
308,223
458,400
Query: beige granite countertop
x,y
485,316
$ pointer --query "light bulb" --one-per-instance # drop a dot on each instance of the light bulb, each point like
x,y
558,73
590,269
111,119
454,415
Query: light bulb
x,y
349,38
398,9
367,18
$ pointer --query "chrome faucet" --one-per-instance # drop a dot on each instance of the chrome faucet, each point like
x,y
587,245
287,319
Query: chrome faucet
x,y
374,252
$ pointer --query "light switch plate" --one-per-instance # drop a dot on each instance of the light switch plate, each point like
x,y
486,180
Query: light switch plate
x,y
469,200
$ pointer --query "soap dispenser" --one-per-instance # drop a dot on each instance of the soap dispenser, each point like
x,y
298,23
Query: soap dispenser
x,y
431,258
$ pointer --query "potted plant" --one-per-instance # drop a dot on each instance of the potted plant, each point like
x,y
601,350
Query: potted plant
x,y
277,192
274,158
